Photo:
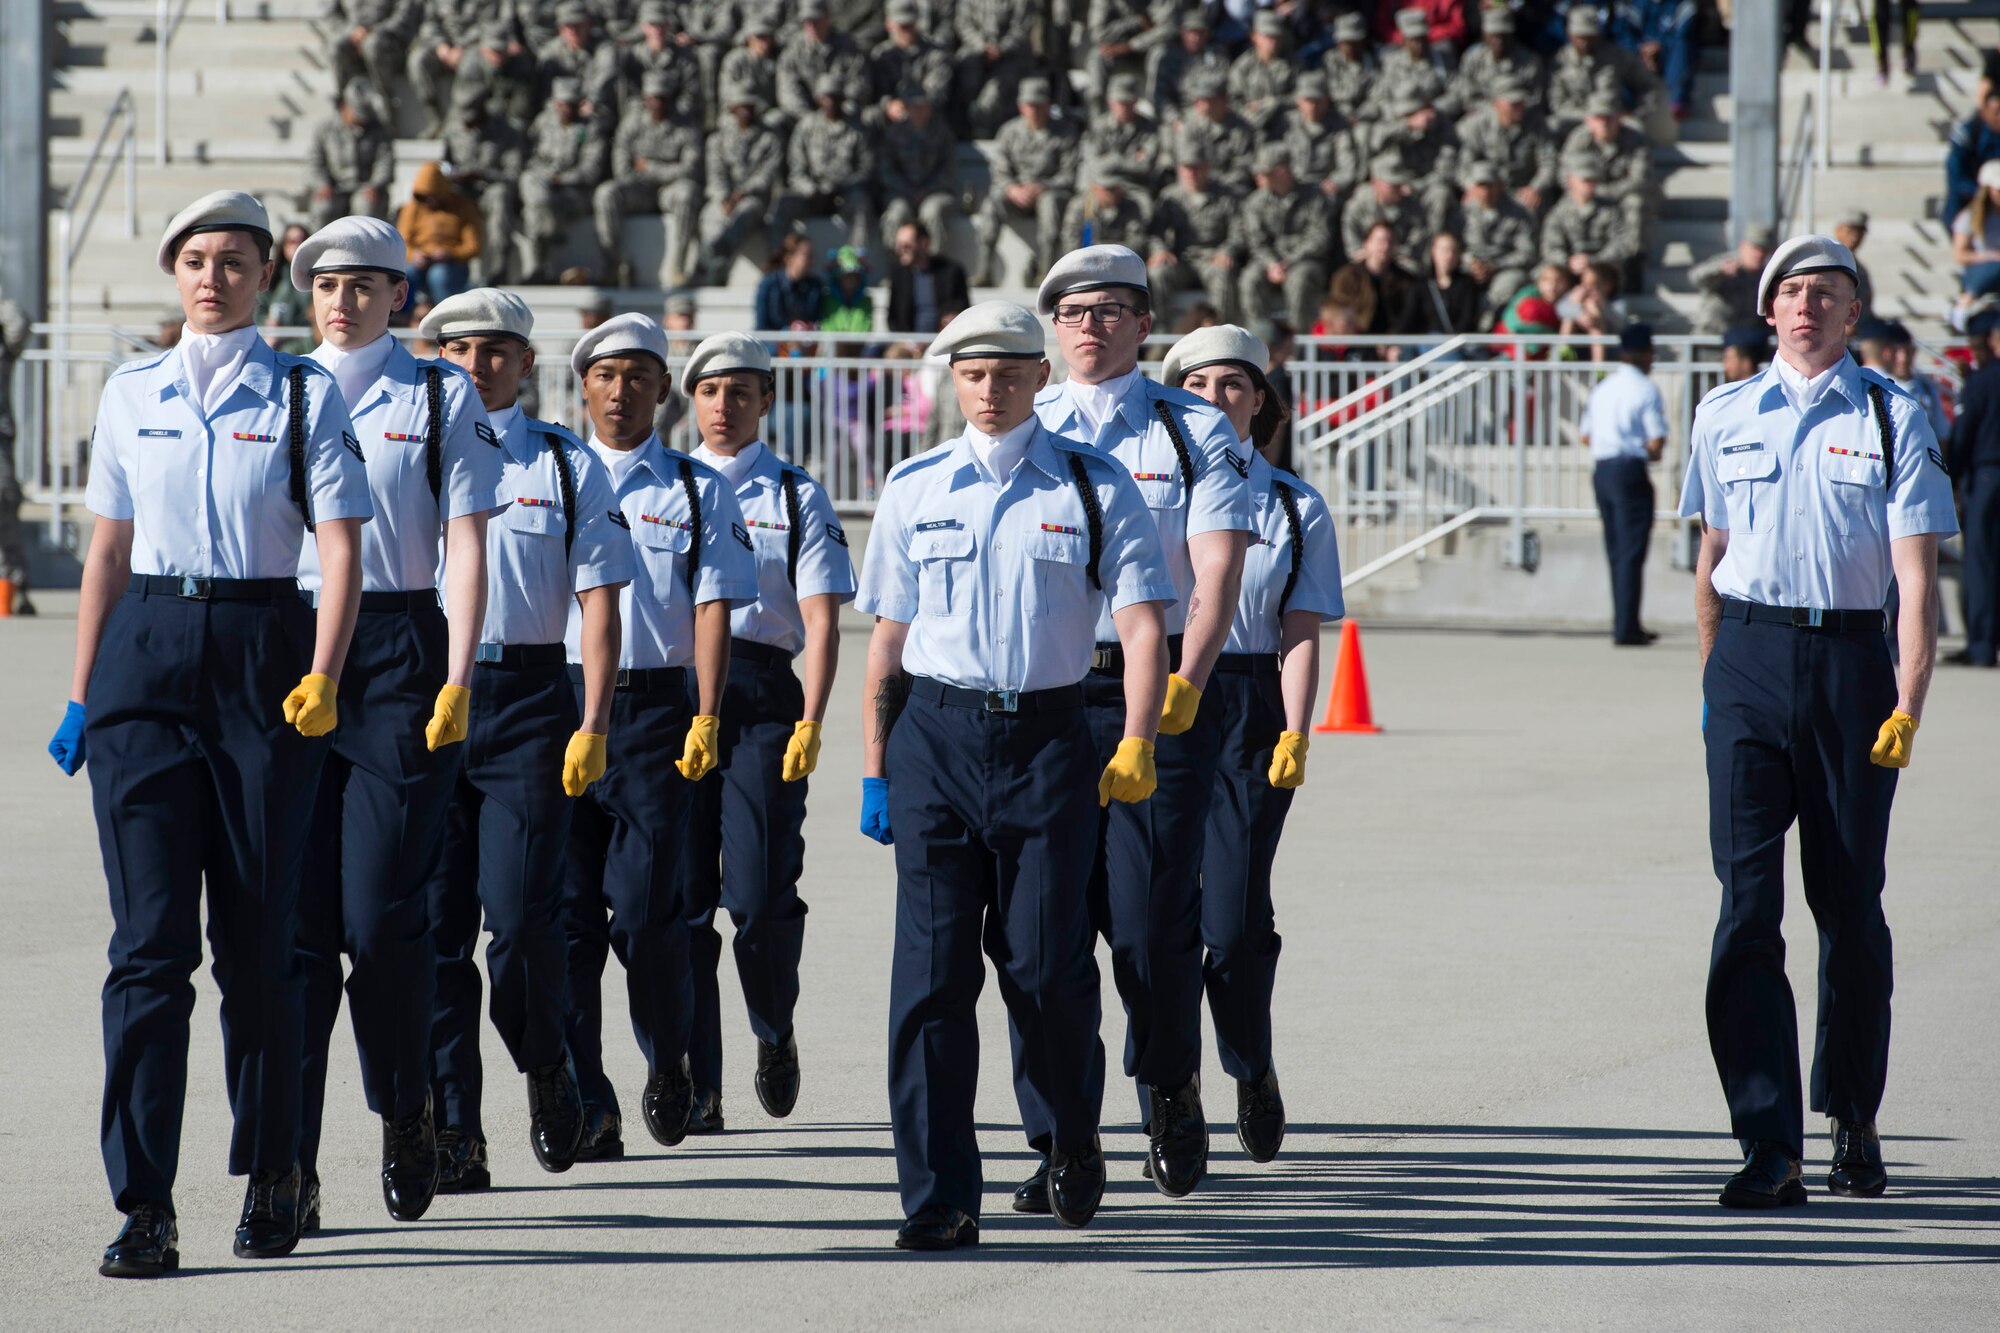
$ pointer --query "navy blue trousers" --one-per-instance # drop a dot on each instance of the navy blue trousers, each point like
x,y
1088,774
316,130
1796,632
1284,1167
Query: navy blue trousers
x,y
1245,820
1981,498
994,817
622,888
1792,715
503,853
1625,502
377,831
745,852
197,779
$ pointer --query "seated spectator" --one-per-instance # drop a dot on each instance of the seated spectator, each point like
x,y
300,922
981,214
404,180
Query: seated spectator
x,y
1034,172
1287,234
1261,79
351,159
443,232
1530,314
1744,352
579,51
813,54
1412,67
1588,65
1104,211
1192,52
1195,242
1592,309
829,169
281,304
846,306
1975,235
1851,230
1446,300
1375,285
751,67
1583,229
1351,69
791,295
1511,137
1445,25
1498,59
1661,33
485,153
1974,143
565,163
1323,148
746,164
658,51
1500,236
916,173
907,56
1124,134
1389,198
1728,282
655,167
995,56
371,39
925,288
1209,127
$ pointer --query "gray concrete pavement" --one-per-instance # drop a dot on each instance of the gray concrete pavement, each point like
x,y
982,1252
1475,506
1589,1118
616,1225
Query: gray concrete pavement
x,y
1496,919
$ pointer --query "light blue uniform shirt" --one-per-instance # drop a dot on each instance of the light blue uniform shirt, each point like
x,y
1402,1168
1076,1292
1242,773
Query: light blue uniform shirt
x,y
656,607
1807,499
1268,563
399,550
993,581
211,495
530,581
1133,434
825,566
1625,411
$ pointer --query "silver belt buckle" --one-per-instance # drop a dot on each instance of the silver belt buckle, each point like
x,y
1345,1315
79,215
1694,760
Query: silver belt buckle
x,y
623,679
1101,659
194,588
490,653
1003,701
1807,617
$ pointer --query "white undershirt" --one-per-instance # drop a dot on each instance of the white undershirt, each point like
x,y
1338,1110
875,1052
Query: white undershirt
x,y
213,361
620,461
736,468
354,371
1802,393
502,420
1001,454
1096,402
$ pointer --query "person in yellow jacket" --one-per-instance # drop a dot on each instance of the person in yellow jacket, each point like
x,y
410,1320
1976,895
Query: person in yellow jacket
x,y
444,232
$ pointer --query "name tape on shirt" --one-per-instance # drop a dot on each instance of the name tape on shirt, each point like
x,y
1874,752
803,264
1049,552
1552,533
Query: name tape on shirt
x,y
940,525
1755,447
158,433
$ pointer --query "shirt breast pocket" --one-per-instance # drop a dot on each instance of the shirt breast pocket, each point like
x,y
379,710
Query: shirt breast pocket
x,y
1059,582
944,571
662,548
1859,488
1161,491
535,533
1750,489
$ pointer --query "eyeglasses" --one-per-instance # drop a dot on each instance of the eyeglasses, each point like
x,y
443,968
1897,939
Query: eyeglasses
x,y
1105,313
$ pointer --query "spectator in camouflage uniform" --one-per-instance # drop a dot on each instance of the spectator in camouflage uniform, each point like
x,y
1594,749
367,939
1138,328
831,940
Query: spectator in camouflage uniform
x,y
1104,211
1194,243
1287,237
1351,70
1214,131
1412,68
485,155
352,159
499,69
829,169
452,32
579,51
565,164
1389,198
906,57
1192,51
1516,142
710,30
1322,144
1122,35
656,167
994,56
917,171
815,53
1412,129
1584,229
1123,134
746,162
1728,282
753,68
1034,174
1588,65
1261,79
370,40
657,50
1624,155
1498,57
1499,235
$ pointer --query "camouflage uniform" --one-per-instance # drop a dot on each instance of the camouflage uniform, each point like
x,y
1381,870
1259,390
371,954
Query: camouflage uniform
x,y
348,160
669,183
504,78
1294,229
717,29
390,24
595,67
1124,222
1524,155
466,24
1143,25
1503,236
1727,299
804,62
1227,145
1599,229
744,71
917,175
986,92
830,168
1352,85
1624,165
1480,72
1403,77
486,157
747,163
565,163
1025,156
1325,153
1408,218
1171,70
1135,143
923,64
677,65
1262,89
1575,78
1191,230
1430,159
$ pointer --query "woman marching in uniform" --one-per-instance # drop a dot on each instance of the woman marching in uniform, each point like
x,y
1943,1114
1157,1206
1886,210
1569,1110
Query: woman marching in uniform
x,y
434,466
744,848
208,465
1268,673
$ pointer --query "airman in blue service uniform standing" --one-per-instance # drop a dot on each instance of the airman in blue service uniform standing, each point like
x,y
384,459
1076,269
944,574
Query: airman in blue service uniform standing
x,y
201,677
990,562
745,845
433,472
1816,481
531,748
1265,679
1146,891
623,886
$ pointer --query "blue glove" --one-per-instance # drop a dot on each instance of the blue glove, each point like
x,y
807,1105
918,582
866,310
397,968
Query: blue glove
x,y
66,747
875,810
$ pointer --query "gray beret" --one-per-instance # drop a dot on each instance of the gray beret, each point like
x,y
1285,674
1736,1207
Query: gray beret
x,y
1499,22
1803,254
722,354
1583,22
483,312
347,244
224,210
1267,24
992,328
1413,22
1091,269
621,335
1350,28
566,90
1217,344
1311,83
1034,91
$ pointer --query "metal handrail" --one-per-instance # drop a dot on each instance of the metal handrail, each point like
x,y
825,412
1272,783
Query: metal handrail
x,y
1800,176
1829,22
1377,386
164,29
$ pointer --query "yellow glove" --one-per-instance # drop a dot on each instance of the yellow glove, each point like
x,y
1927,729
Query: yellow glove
x,y
1892,747
1288,760
801,751
448,715
1129,776
698,760
310,706
1178,714
583,762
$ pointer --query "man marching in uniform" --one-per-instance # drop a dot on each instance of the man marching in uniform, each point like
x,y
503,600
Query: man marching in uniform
x,y
208,465
530,749
1817,482
623,886
991,561
433,470
1146,890
745,849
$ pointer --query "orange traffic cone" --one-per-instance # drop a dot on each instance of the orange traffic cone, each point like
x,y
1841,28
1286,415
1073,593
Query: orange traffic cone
x,y
1347,707
6,597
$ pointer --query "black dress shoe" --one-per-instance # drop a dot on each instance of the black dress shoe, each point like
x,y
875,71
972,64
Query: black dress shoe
x,y
1075,1185
1857,1160
148,1245
1769,1179
937,1229
1178,1132
1260,1117
706,1117
309,1203
462,1166
269,1228
778,1076
1033,1195
555,1115
409,1164
667,1102
603,1138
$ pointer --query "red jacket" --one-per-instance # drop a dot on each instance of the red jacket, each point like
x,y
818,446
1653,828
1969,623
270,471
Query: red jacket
x,y
1448,22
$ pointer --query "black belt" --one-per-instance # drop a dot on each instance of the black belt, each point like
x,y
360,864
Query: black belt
x,y
763,654
423,599
1805,617
643,680
515,656
212,590
1247,664
1111,656
998,701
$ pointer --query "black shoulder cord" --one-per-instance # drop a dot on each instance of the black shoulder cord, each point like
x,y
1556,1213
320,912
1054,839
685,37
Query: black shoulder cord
x,y
1180,445
694,514
567,480
1881,401
434,430
1291,506
1093,516
301,494
790,481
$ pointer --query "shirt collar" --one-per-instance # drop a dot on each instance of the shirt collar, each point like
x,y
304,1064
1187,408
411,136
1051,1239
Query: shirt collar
x,y
1784,379
652,455
747,465
358,370
1040,452
254,369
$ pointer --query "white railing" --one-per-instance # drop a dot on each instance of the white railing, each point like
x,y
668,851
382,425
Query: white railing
x,y
1798,204
171,12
